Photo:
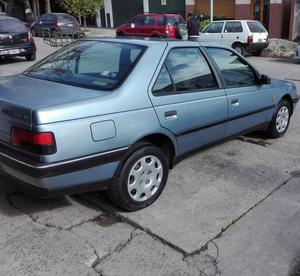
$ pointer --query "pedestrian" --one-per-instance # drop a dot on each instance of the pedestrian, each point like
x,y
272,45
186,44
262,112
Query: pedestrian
x,y
193,27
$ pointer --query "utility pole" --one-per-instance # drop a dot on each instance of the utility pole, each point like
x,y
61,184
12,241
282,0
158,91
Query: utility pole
x,y
211,10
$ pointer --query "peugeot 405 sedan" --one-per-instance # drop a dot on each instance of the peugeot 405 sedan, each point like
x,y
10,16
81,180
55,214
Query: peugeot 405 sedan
x,y
117,114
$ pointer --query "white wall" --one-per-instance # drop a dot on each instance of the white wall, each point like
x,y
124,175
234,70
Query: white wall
x,y
108,9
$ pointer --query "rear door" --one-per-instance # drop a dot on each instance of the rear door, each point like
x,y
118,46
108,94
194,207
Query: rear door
x,y
212,33
249,102
233,32
188,98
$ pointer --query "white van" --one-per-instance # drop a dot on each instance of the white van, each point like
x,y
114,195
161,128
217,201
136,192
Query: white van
x,y
242,35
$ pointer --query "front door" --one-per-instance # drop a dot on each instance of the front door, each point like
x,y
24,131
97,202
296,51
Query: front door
x,y
212,33
188,99
249,102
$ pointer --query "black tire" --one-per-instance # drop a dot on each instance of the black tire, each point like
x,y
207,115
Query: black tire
x,y
118,191
181,31
120,34
31,57
273,131
239,48
257,53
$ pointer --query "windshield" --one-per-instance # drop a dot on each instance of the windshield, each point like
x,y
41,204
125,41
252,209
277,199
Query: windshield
x,y
91,64
12,25
256,27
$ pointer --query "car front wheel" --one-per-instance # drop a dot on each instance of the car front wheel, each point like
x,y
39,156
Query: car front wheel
x,y
141,179
31,57
281,120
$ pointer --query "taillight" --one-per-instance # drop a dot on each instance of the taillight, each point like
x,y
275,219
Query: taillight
x,y
250,39
59,23
29,36
36,142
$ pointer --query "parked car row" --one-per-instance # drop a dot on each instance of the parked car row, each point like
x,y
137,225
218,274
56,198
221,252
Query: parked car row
x,y
242,35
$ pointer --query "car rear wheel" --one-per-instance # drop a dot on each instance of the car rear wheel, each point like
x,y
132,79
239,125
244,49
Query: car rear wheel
x,y
239,48
281,120
141,179
31,57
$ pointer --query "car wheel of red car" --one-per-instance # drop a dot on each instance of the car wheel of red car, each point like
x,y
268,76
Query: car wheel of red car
x,y
120,34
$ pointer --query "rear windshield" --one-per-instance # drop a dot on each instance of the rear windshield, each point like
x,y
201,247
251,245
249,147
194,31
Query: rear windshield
x,y
12,26
91,64
66,17
256,27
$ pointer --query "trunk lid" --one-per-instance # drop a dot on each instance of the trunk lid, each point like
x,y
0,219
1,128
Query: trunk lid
x,y
12,39
21,95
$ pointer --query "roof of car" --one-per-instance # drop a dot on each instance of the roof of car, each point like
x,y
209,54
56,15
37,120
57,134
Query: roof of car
x,y
148,41
4,17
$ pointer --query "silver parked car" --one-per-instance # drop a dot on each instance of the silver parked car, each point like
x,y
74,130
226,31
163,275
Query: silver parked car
x,y
117,114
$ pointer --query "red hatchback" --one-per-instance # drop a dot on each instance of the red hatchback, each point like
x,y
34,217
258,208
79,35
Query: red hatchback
x,y
155,25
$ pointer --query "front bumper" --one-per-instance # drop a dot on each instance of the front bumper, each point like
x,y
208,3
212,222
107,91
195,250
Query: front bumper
x,y
257,47
85,174
18,50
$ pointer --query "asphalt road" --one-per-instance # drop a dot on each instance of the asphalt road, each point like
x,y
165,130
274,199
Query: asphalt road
x,y
232,209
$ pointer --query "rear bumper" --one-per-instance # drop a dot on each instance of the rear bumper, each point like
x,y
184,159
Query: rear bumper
x,y
25,49
90,173
256,47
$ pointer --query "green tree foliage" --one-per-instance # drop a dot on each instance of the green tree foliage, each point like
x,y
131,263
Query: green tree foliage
x,y
81,8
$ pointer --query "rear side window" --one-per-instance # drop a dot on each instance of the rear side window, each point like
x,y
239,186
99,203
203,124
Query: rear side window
x,y
256,27
235,71
12,26
215,27
160,20
65,17
188,70
91,64
233,27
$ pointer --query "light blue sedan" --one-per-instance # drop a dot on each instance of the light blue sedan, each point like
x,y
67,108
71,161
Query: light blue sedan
x,y
117,114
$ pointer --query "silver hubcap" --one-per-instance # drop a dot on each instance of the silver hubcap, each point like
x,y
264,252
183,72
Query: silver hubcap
x,y
238,49
144,178
282,119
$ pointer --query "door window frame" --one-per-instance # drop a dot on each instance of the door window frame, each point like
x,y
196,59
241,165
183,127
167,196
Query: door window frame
x,y
225,85
211,66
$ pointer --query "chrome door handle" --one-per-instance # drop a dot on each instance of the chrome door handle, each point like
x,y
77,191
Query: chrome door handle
x,y
172,114
235,102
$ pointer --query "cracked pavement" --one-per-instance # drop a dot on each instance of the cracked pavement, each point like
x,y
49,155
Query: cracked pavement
x,y
232,209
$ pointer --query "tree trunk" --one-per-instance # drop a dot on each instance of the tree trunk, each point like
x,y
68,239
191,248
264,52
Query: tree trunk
x,y
48,6
84,22
79,19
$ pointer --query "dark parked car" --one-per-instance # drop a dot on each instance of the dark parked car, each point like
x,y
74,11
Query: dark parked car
x,y
117,114
155,25
61,23
16,39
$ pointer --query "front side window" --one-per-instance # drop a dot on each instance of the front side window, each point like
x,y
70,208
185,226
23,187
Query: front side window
x,y
91,64
188,70
233,27
215,27
138,21
235,71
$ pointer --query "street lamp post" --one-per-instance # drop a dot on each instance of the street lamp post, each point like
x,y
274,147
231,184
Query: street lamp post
x,y
211,10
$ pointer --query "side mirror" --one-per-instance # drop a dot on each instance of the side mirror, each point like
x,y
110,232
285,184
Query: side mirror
x,y
264,79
